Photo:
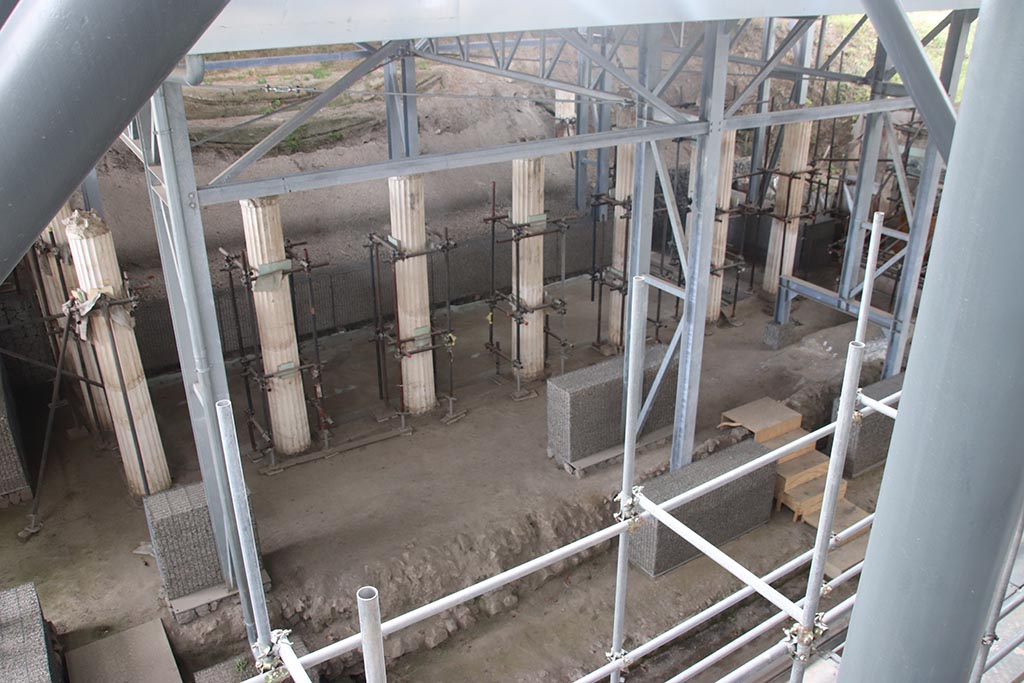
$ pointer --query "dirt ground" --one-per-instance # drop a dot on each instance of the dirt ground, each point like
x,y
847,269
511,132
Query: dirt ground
x,y
418,516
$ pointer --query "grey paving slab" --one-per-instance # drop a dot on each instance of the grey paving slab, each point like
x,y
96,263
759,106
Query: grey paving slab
x,y
138,654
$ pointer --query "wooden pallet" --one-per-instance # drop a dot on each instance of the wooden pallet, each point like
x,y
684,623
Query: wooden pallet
x,y
799,470
765,417
806,498
789,437
579,468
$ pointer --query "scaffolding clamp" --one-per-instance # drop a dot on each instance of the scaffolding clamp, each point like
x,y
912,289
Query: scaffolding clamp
x,y
629,511
621,656
268,660
800,639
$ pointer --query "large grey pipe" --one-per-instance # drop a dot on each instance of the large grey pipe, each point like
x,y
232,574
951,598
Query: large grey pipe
x,y
74,74
954,482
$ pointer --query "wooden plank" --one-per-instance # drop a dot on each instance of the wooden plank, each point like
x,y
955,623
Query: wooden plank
x,y
847,514
844,557
766,417
138,654
800,470
806,498
786,438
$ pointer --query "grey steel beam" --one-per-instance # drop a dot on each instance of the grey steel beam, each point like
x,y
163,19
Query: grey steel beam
x,y
394,122
678,65
709,153
190,296
59,62
332,177
583,116
671,206
383,54
410,115
521,76
867,167
796,71
954,481
763,105
927,190
620,75
905,49
641,227
788,43
843,43
91,196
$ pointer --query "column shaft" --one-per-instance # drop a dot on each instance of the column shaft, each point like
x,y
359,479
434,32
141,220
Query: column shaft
x,y
85,364
721,235
264,244
789,199
412,291
528,264
620,239
112,335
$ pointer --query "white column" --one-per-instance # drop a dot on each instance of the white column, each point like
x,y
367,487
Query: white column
x,y
412,290
528,207
92,250
264,245
85,366
622,191
789,199
721,234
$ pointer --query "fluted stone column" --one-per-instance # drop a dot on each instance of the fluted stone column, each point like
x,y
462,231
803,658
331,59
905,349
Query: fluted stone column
x,y
721,235
789,199
622,191
412,289
84,365
565,105
92,252
528,207
264,245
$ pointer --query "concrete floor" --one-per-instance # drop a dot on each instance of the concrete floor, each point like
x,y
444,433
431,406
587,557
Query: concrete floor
x,y
418,516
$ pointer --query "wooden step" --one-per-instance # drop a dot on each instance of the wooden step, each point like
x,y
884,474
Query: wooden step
x,y
847,514
845,556
765,417
786,438
806,498
800,470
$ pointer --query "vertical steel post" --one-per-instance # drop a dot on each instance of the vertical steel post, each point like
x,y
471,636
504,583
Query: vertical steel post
x,y
583,69
954,481
763,104
927,190
641,223
709,156
410,110
368,601
634,399
182,246
243,519
870,147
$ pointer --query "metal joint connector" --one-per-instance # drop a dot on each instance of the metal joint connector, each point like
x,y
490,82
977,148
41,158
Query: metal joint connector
x,y
620,656
800,640
628,509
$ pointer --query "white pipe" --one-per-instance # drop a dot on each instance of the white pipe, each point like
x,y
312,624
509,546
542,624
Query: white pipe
x,y
243,518
753,634
833,481
637,336
720,558
1015,600
1001,654
989,636
714,610
869,276
291,662
880,407
375,670
351,643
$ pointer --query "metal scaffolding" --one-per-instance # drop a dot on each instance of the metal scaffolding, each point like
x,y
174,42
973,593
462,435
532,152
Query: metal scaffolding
x,y
159,137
